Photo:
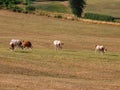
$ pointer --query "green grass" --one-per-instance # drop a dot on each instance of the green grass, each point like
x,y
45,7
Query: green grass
x,y
65,60
52,7
106,7
76,67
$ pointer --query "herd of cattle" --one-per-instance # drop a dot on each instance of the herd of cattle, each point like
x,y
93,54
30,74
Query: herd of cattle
x,y
20,44
56,43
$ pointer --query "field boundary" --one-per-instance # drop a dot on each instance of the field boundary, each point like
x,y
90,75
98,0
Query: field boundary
x,y
68,17
72,17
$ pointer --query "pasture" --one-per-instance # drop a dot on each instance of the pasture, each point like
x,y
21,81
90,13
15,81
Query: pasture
x,y
107,7
76,67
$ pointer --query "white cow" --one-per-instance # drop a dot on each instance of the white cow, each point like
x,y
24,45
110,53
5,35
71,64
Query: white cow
x,y
57,44
100,48
15,43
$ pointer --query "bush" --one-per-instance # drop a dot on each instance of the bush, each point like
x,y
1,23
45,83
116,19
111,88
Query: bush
x,y
30,8
17,9
58,16
17,1
98,17
49,0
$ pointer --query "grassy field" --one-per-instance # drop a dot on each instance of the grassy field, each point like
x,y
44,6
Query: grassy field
x,y
107,7
52,7
76,67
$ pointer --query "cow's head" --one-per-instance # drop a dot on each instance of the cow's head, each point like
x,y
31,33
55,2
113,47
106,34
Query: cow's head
x,y
105,50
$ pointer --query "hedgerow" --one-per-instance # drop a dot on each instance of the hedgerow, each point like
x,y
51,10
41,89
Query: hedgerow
x,y
100,17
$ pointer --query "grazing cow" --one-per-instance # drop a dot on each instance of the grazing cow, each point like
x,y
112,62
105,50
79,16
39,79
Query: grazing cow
x,y
100,48
15,43
57,44
26,44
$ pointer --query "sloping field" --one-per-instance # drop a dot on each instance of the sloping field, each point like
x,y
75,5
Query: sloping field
x,y
108,7
76,67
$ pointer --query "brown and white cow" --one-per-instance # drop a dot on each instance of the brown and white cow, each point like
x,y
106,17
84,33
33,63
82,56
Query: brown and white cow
x,y
57,44
26,44
15,43
100,48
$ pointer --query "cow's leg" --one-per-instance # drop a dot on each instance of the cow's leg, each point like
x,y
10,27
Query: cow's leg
x,y
12,47
102,52
55,47
59,46
95,51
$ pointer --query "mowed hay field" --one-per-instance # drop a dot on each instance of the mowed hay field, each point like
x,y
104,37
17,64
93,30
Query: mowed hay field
x,y
107,7
76,67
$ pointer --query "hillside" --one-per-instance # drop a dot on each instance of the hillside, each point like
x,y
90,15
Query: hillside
x,y
108,7
76,67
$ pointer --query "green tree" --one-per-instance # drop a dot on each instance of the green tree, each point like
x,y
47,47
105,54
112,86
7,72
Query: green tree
x,y
9,3
77,7
27,2
30,9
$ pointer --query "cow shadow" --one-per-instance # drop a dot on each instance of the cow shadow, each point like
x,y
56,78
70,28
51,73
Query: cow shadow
x,y
23,51
113,55
117,18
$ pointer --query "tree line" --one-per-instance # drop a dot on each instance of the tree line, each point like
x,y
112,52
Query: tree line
x,y
14,5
